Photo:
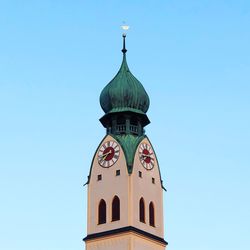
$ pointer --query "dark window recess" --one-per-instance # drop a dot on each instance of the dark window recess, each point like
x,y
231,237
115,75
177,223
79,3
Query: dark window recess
x,y
102,212
134,121
121,120
118,172
142,210
116,209
153,180
140,174
99,177
151,214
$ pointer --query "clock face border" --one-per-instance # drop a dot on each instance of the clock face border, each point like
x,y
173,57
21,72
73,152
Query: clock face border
x,y
146,156
108,154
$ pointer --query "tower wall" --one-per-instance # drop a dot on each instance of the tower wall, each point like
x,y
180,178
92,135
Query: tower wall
x,y
127,241
117,242
130,188
106,189
151,192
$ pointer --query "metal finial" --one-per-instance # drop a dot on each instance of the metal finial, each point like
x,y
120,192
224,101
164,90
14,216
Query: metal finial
x,y
124,27
124,44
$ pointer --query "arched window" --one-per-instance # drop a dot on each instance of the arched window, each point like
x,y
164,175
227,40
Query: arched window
x,y
142,210
151,214
116,209
102,212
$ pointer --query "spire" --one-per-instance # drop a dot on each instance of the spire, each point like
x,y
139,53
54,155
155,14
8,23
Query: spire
x,y
125,28
124,44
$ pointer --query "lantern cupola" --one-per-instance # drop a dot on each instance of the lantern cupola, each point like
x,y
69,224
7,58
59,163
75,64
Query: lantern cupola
x,y
125,102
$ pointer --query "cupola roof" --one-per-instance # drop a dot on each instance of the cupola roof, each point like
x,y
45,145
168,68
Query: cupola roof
x,y
124,93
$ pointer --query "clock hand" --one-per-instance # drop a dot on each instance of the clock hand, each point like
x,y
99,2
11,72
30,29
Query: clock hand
x,y
104,156
144,155
109,152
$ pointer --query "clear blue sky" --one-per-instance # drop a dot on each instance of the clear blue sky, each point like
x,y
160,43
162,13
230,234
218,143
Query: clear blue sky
x,y
193,58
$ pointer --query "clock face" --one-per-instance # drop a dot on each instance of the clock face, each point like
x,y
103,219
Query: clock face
x,y
146,155
108,154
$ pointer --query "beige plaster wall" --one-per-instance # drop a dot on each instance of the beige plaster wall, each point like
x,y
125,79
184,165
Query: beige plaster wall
x,y
128,241
129,189
140,243
143,187
106,189
118,242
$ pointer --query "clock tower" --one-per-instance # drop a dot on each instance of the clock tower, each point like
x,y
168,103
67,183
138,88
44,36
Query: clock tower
x,y
125,191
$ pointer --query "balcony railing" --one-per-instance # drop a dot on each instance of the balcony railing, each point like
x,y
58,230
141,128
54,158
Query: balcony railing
x,y
121,129
134,129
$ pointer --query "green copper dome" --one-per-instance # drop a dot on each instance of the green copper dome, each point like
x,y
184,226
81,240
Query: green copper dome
x,y
124,93
125,102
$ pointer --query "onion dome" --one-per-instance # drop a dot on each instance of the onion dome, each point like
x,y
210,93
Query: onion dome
x,y
124,93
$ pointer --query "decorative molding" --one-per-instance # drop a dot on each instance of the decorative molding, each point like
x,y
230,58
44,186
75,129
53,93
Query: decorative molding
x,y
123,230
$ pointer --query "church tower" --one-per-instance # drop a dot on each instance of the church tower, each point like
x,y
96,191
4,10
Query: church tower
x,y
125,192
